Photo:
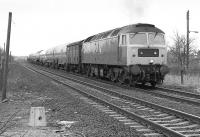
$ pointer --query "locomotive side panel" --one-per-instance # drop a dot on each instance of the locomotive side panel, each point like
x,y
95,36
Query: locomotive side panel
x,y
76,61
108,52
105,51
87,52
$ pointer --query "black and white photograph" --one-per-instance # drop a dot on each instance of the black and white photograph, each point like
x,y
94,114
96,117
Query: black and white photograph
x,y
99,68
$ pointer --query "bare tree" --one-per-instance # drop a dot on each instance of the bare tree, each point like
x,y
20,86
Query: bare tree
x,y
177,53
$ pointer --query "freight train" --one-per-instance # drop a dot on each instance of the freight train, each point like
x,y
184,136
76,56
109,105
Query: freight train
x,y
130,54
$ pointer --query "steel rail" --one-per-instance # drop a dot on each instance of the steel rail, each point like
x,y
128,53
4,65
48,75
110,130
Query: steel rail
x,y
131,115
181,98
128,114
194,118
188,97
193,99
175,91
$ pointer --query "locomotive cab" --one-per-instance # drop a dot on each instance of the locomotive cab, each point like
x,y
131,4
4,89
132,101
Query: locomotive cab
x,y
143,48
147,51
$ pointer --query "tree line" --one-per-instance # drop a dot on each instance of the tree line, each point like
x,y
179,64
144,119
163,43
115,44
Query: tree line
x,y
177,55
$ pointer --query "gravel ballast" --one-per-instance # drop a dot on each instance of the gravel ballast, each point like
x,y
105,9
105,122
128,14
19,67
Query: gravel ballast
x,y
182,106
27,89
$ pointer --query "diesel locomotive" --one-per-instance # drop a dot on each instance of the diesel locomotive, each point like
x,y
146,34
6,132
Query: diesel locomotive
x,y
131,54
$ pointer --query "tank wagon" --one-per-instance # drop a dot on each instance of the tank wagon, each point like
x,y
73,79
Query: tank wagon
x,y
31,58
41,57
56,57
35,57
131,54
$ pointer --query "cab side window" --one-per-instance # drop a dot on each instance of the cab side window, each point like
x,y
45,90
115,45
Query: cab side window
x,y
123,39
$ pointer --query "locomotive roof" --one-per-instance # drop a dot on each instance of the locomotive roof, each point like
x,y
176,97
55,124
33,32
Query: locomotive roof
x,y
75,43
133,28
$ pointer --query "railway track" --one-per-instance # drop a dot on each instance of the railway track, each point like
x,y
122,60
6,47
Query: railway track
x,y
179,92
176,95
148,118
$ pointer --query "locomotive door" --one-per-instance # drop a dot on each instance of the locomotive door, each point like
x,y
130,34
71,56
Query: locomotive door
x,y
122,43
97,52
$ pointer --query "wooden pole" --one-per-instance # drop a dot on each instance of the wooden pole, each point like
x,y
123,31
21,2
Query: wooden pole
x,y
7,58
187,17
4,48
0,56
10,58
1,73
182,80
1,68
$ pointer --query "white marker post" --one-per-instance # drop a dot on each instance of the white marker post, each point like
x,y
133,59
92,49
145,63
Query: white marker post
x,y
37,117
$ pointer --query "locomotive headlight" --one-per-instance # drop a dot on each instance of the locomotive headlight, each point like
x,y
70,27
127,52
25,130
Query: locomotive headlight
x,y
133,53
151,61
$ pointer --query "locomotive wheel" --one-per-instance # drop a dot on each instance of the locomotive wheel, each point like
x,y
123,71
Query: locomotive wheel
x,y
153,84
56,66
88,72
112,77
65,67
121,78
132,81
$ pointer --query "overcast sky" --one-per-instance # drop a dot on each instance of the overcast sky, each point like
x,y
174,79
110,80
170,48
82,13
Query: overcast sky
x,y
42,24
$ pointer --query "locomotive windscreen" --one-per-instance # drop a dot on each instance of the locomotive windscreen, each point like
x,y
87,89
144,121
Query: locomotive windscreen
x,y
148,52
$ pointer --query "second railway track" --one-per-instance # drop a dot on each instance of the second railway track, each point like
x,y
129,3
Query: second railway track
x,y
180,96
165,121
176,95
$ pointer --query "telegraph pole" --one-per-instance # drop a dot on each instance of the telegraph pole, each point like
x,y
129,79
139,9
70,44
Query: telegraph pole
x,y
0,55
1,69
4,50
10,58
1,76
187,17
7,58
